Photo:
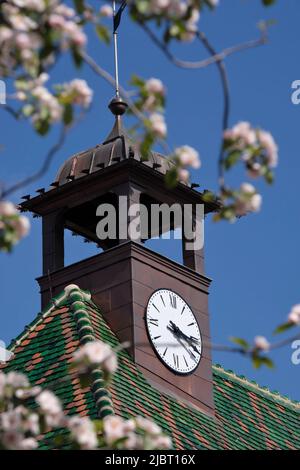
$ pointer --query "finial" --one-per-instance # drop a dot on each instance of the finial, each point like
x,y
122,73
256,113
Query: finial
x,y
117,105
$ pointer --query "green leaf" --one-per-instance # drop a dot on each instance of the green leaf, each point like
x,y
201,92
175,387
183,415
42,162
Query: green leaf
x,y
208,196
146,145
77,59
171,177
27,110
42,127
79,6
232,158
103,33
241,342
268,3
268,362
258,361
137,81
68,114
269,177
283,327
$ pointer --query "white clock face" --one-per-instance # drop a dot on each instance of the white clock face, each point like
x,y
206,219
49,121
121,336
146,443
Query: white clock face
x,y
174,331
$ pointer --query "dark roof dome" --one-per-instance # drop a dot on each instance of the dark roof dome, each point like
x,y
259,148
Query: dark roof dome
x,y
116,148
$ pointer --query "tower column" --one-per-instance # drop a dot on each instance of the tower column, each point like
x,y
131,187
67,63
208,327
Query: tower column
x,y
129,217
53,242
193,252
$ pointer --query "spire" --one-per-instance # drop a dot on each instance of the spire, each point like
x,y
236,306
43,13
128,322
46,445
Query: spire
x,y
117,105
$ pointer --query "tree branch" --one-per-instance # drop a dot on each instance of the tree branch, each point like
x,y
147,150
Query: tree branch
x,y
110,79
216,57
124,94
225,87
44,168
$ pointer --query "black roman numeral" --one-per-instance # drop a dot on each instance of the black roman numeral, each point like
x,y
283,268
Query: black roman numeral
x,y
153,321
173,301
176,360
162,299
185,361
165,352
156,337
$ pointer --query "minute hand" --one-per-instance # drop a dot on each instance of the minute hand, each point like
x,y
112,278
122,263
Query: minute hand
x,y
190,341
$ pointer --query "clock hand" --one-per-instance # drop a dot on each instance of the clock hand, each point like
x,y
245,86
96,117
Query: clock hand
x,y
190,340
177,336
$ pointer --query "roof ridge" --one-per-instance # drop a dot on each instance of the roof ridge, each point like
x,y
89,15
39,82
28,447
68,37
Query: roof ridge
x,y
274,395
78,299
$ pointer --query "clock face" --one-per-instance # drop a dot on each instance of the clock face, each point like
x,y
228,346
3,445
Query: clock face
x,y
173,331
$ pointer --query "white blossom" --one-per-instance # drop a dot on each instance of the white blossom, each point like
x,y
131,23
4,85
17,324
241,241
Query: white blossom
x,y
17,380
34,5
158,124
11,440
294,315
106,10
79,89
188,156
83,431
51,407
96,353
248,200
113,427
162,442
22,226
28,444
183,175
149,426
7,209
154,85
261,343
242,132
267,141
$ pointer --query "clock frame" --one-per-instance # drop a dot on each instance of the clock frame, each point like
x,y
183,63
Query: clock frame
x,y
174,370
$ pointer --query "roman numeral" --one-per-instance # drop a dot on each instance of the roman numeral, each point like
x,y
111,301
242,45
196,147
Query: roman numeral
x,y
176,360
156,337
153,321
155,307
185,361
173,301
191,324
182,310
162,299
165,352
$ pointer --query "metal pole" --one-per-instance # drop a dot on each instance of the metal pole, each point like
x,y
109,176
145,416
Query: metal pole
x,y
116,55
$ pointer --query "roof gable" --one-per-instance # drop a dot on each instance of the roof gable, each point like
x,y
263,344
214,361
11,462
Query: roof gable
x,y
247,416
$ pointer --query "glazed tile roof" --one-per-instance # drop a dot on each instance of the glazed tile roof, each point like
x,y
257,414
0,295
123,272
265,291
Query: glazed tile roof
x,y
247,416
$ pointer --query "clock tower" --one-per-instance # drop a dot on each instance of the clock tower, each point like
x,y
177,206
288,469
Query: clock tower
x,y
159,306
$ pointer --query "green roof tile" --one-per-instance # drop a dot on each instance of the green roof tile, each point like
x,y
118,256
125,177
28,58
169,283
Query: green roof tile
x,y
247,416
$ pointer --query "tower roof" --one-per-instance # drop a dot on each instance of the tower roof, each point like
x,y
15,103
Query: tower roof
x,y
247,416
117,146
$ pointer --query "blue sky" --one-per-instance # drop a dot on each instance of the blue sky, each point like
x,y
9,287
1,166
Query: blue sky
x,y
254,263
